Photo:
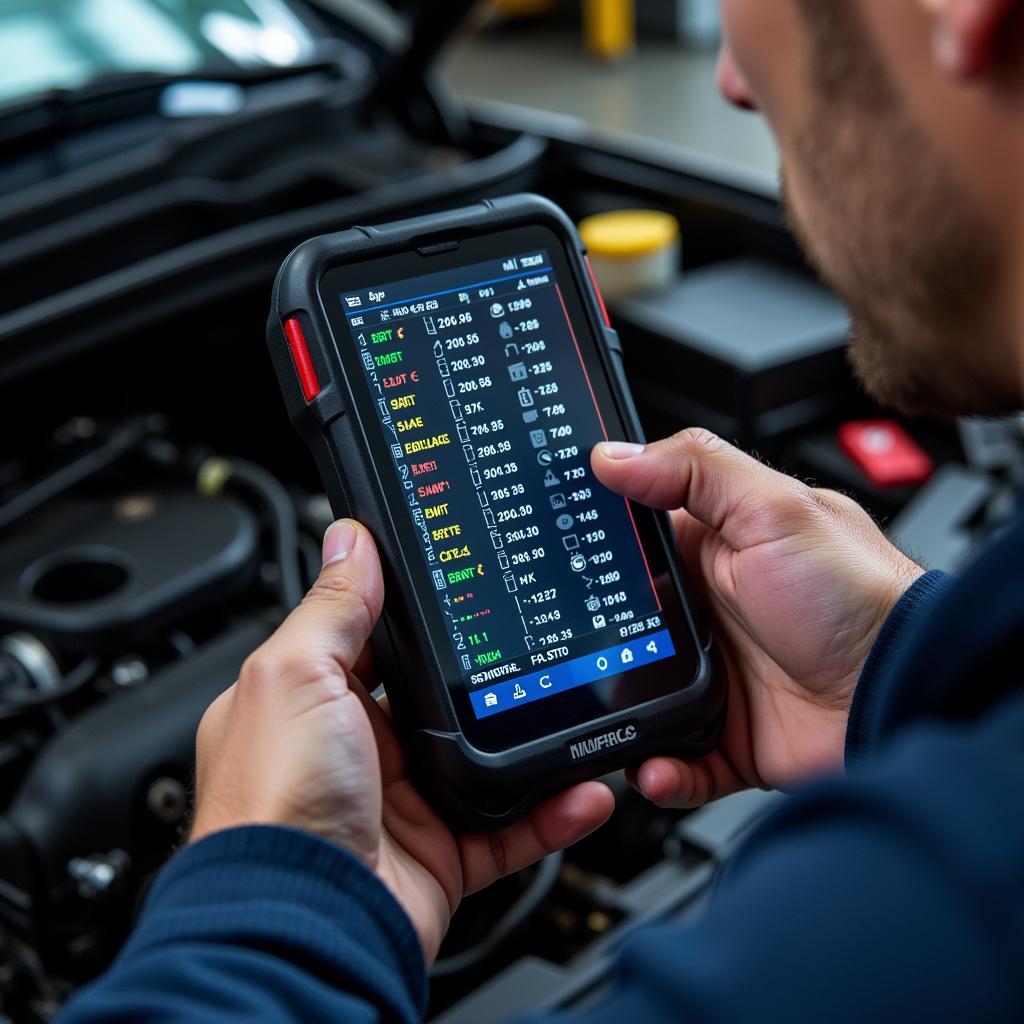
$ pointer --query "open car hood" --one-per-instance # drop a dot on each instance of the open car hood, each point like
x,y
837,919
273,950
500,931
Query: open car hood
x,y
113,206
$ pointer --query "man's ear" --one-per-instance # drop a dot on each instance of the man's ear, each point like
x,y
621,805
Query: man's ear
x,y
966,33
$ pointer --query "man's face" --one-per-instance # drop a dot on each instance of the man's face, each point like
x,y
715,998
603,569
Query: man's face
x,y
878,206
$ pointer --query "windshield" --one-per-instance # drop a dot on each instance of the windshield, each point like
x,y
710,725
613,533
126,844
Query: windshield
x,y
47,44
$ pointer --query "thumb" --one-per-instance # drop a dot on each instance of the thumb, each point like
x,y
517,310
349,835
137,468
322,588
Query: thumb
x,y
728,491
331,626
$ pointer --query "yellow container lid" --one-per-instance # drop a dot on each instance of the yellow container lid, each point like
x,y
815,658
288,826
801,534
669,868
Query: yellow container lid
x,y
628,234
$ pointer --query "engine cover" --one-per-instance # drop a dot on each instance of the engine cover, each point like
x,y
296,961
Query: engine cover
x,y
99,573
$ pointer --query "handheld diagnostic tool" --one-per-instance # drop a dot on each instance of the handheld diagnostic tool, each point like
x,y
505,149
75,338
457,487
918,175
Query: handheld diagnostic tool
x,y
451,374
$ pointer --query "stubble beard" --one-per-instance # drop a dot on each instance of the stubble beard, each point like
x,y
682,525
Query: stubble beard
x,y
885,221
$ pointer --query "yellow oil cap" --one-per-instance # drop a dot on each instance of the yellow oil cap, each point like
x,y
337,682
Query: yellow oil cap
x,y
628,234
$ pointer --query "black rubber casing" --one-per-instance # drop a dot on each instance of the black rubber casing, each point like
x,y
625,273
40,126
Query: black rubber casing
x,y
471,788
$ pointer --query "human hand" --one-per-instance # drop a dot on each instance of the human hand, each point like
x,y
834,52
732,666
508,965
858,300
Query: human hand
x,y
798,581
298,741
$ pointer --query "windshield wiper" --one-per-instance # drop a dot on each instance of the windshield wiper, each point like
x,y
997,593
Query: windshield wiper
x,y
111,97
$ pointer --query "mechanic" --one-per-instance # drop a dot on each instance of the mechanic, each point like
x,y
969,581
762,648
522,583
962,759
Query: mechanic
x,y
317,884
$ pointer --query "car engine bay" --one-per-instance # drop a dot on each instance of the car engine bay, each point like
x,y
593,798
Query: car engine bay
x,y
158,516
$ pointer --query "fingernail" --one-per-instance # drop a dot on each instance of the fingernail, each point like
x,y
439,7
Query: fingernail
x,y
620,449
640,785
947,49
339,540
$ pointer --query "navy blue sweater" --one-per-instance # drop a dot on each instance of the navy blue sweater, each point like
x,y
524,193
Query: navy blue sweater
x,y
893,893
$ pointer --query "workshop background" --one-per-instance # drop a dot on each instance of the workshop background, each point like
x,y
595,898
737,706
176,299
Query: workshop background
x,y
158,515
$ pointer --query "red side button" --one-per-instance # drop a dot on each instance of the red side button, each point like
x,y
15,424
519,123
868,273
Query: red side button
x,y
885,452
597,288
300,356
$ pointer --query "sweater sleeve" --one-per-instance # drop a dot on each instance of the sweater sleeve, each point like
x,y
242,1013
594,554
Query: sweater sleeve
x,y
886,896
263,924
892,637
859,900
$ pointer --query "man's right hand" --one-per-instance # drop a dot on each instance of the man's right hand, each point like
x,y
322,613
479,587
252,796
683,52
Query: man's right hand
x,y
798,582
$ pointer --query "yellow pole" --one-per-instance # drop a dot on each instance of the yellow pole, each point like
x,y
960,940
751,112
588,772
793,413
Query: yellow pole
x,y
609,28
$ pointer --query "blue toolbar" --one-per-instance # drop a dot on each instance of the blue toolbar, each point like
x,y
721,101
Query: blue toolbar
x,y
568,675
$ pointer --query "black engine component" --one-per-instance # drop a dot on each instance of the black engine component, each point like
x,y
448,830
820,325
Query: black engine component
x,y
135,578
761,347
100,573
115,780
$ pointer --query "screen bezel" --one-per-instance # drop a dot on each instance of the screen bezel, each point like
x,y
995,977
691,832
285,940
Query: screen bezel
x,y
575,708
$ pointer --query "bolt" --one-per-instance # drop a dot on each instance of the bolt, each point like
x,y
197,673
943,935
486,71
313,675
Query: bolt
x,y
129,671
95,875
136,508
78,428
167,800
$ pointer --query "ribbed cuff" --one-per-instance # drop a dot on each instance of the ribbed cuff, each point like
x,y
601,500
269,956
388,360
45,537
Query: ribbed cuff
x,y
288,892
923,592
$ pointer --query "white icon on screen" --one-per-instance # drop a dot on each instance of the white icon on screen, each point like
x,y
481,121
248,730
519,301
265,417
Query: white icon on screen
x,y
518,693
652,647
545,682
490,700
593,604
602,663
497,310
599,622
627,656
